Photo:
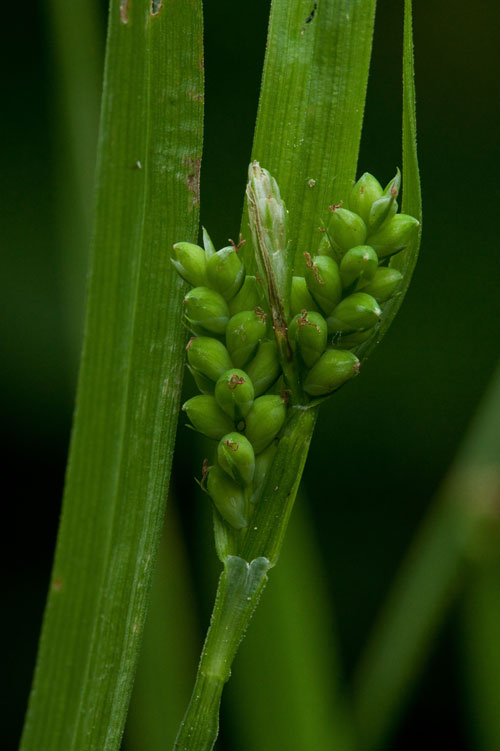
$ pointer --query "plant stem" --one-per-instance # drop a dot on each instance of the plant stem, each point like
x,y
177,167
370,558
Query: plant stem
x,y
266,533
240,587
243,580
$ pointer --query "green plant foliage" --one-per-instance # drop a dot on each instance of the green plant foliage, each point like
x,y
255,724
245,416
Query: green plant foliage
x,y
309,141
129,385
412,200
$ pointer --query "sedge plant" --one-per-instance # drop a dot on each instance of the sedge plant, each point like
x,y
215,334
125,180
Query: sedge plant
x,y
266,350
279,324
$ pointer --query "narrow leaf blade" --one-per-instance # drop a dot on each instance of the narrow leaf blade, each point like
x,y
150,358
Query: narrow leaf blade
x,y
129,386
412,199
311,107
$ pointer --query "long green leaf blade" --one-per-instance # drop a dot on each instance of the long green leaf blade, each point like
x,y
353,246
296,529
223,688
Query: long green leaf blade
x,y
312,104
77,57
129,386
412,200
481,626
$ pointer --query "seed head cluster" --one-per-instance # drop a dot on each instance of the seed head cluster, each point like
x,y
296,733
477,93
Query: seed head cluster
x,y
336,304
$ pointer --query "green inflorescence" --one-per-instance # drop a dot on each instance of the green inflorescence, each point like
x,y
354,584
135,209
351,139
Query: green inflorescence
x,y
238,356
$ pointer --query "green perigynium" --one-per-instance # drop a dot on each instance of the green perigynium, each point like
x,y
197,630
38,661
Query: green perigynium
x,y
207,417
384,283
323,281
364,194
346,228
236,456
333,369
228,497
357,312
249,297
206,311
264,368
225,272
358,266
244,332
308,334
208,356
393,235
266,345
265,420
300,297
234,393
190,262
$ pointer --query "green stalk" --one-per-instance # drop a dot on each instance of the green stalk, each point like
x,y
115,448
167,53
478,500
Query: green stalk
x,y
240,587
129,383
299,704
242,582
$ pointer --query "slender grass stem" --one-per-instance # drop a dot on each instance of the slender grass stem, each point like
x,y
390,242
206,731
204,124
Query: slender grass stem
x,y
240,587
243,580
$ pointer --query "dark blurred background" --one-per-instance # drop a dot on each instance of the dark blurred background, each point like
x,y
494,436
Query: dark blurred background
x,y
384,443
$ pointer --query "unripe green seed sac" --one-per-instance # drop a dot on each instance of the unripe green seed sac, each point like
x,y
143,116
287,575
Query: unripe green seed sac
x,y
393,235
386,206
207,417
333,369
384,284
190,262
325,247
249,297
393,186
364,194
264,421
300,297
208,244
308,333
206,310
358,264
208,356
234,393
323,281
225,272
264,369
236,456
380,212
227,496
357,312
346,228
243,334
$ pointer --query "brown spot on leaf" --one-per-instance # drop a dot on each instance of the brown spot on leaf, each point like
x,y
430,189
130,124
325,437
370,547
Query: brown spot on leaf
x,y
193,179
57,584
124,8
